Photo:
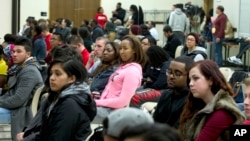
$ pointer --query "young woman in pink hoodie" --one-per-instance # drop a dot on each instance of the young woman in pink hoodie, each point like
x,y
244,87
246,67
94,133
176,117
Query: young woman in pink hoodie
x,y
124,81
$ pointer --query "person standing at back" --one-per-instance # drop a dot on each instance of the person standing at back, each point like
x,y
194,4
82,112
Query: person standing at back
x,y
135,14
179,23
101,17
119,13
218,31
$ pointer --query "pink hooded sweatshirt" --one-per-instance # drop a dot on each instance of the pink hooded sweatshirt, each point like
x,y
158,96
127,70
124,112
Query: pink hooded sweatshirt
x,y
121,86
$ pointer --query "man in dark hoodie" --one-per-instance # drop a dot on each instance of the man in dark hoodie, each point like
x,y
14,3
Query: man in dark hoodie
x,y
172,43
24,79
119,13
97,30
172,100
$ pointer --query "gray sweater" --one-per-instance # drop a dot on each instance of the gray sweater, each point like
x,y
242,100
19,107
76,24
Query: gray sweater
x,y
178,21
22,84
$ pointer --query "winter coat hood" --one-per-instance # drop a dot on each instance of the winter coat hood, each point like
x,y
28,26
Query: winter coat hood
x,y
81,94
178,11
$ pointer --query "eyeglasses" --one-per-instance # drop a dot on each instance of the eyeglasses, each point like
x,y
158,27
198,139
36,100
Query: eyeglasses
x,y
189,39
175,73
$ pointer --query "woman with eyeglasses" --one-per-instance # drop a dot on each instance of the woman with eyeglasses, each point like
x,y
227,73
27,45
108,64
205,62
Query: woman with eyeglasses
x,y
193,50
210,109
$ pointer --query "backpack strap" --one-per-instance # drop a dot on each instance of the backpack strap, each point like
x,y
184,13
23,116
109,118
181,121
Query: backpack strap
x,y
196,52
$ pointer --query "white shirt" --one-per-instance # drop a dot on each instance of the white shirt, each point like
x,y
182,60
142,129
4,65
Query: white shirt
x,y
154,33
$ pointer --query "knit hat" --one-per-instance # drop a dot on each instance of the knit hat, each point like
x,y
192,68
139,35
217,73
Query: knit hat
x,y
136,29
122,118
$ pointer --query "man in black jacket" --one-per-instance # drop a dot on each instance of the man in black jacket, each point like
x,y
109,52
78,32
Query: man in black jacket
x,y
97,30
119,13
172,100
172,43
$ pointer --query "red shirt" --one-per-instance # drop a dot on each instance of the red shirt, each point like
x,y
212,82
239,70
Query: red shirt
x,y
85,56
47,41
219,121
101,19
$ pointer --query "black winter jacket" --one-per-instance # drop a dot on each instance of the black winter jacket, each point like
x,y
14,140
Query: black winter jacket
x,y
171,45
69,120
157,75
170,106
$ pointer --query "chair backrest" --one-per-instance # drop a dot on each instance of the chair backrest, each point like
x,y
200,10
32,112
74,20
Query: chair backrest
x,y
178,51
227,72
35,100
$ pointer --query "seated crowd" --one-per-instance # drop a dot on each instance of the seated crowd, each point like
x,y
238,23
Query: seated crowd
x,y
103,72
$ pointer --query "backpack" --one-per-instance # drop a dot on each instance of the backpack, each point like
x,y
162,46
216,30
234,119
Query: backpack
x,y
196,52
235,81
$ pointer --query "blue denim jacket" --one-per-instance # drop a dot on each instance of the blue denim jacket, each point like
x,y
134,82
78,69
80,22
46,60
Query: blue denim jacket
x,y
101,80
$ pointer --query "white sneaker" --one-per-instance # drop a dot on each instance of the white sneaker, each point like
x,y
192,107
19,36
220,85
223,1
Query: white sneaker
x,y
234,60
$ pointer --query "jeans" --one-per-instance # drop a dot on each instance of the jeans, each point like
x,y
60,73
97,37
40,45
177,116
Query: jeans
x,y
5,116
101,114
217,47
244,46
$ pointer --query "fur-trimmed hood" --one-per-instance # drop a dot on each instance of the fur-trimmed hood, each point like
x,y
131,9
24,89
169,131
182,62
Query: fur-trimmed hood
x,y
222,100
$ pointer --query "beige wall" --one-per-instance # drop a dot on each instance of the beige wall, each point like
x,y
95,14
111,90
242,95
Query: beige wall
x,y
5,15
33,8
109,5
